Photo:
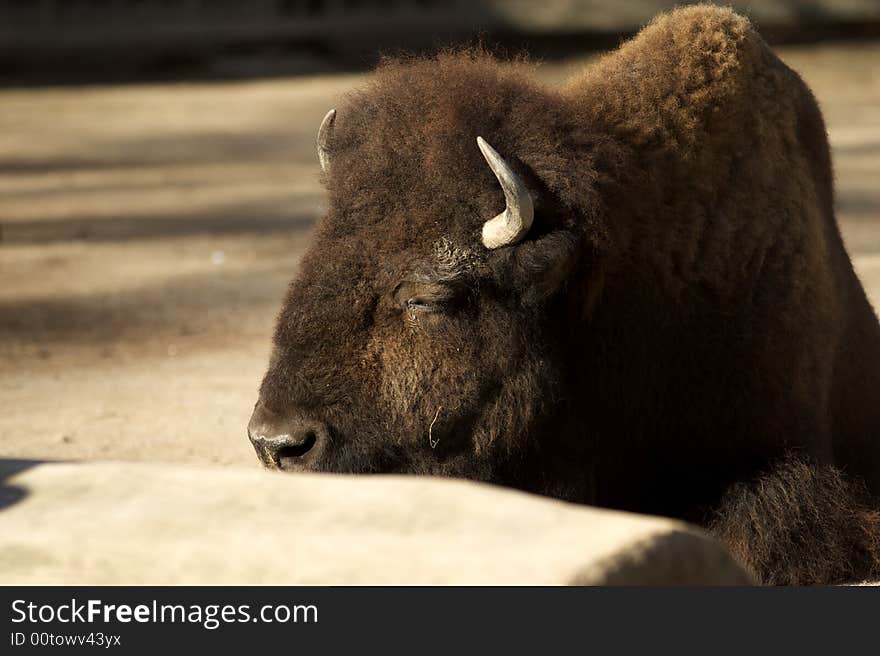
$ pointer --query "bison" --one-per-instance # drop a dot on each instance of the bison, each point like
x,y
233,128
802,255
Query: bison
x,y
630,291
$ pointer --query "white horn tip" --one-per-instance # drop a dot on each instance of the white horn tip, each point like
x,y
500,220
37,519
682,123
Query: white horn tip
x,y
323,135
485,148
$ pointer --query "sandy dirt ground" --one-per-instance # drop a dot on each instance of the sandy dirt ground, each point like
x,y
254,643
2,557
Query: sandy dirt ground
x,y
149,233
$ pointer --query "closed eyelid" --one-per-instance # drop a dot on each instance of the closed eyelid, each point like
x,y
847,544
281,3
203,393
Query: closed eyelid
x,y
434,294
424,293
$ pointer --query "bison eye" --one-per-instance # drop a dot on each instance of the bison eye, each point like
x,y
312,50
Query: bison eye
x,y
421,305
423,296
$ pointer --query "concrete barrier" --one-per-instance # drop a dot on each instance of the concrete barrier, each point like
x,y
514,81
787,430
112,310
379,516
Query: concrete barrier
x,y
120,523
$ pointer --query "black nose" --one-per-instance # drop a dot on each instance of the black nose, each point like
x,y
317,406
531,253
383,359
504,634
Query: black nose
x,y
290,443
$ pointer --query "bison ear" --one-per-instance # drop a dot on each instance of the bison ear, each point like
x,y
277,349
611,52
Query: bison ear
x,y
540,267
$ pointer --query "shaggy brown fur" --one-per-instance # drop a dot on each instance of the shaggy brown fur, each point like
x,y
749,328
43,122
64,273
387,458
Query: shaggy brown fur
x,y
783,526
681,316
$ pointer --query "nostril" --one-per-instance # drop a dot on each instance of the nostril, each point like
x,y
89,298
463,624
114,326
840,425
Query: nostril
x,y
297,450
290,442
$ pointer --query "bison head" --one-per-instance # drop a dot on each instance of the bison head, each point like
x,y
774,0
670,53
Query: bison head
x,y
428,329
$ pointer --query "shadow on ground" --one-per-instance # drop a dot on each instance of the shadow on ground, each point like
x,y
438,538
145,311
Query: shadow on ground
x,y
11,494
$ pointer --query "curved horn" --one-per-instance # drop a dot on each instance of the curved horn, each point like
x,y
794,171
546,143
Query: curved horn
x,y
514,222
323,135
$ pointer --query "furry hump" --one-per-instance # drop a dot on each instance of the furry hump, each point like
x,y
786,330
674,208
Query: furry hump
x,y
685,68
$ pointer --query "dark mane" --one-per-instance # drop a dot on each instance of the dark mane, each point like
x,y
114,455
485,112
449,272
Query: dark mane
x,y
400,142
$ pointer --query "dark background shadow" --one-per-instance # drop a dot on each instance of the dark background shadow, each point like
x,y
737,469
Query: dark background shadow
x,y
10,494
77,41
